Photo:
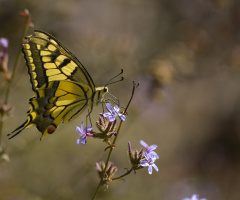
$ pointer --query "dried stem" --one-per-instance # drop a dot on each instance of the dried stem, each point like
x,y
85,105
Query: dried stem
x,y
120,177
16,62
6,98
114,142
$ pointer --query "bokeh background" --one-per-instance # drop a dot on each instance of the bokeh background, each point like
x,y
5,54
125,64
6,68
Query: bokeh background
x,y
185,54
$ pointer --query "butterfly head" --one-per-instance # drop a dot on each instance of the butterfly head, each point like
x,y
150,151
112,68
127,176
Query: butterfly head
x,y
105,89
99,95
101,91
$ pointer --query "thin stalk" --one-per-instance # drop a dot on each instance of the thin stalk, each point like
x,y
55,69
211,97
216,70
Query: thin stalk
x,y
120,177
16,63
1,127
113,144
5,102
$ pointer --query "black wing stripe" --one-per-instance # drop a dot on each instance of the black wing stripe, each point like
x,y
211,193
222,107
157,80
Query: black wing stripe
x,y
35,69
64,63
81,75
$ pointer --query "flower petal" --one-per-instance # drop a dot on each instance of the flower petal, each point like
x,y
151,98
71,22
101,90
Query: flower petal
x,y
78,141
147,155
154,154
111,118
88,129
109,107
122,117
82,124
116,108
143,143
150,169
4,42
155,167
195,197
83,139
152,147
144,163
106,114
78,130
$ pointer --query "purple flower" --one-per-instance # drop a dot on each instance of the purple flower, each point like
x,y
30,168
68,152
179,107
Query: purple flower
x,y
149,162
83,134
4,43
113,113
194,197
3,53
149,149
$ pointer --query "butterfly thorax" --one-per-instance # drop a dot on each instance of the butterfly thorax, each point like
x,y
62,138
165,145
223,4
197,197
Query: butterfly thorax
x,y
99,95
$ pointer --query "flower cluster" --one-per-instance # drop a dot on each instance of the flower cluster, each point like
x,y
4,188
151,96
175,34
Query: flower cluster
x,y
106,125
143,158
113,113
194,197
149,149
149,162
150,157
83,134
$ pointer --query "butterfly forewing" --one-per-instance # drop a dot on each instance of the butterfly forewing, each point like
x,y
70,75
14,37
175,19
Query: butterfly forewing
x,y
48,60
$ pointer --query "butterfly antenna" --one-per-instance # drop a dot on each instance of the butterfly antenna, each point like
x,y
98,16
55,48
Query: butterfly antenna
x,y
109,82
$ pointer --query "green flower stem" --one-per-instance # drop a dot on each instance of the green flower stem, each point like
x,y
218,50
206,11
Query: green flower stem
x,y
120,177
128,172
113,144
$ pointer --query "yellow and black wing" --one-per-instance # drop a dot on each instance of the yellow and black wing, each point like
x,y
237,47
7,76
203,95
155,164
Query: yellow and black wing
x,y
53,103
48,60
63,88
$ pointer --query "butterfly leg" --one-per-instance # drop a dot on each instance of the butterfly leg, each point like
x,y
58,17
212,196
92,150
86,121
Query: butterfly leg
x,y
117,103
88,116
103,107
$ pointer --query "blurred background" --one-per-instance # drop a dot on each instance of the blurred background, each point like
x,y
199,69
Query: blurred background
x,y
186,56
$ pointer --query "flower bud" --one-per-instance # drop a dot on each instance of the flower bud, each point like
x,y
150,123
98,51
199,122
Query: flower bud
x,y
110,171
135,156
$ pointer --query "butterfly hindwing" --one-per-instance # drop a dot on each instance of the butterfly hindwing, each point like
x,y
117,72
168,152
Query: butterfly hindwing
x,y
54,102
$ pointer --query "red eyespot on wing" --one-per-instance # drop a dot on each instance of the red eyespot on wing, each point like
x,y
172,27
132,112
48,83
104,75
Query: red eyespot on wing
x,y
51,129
